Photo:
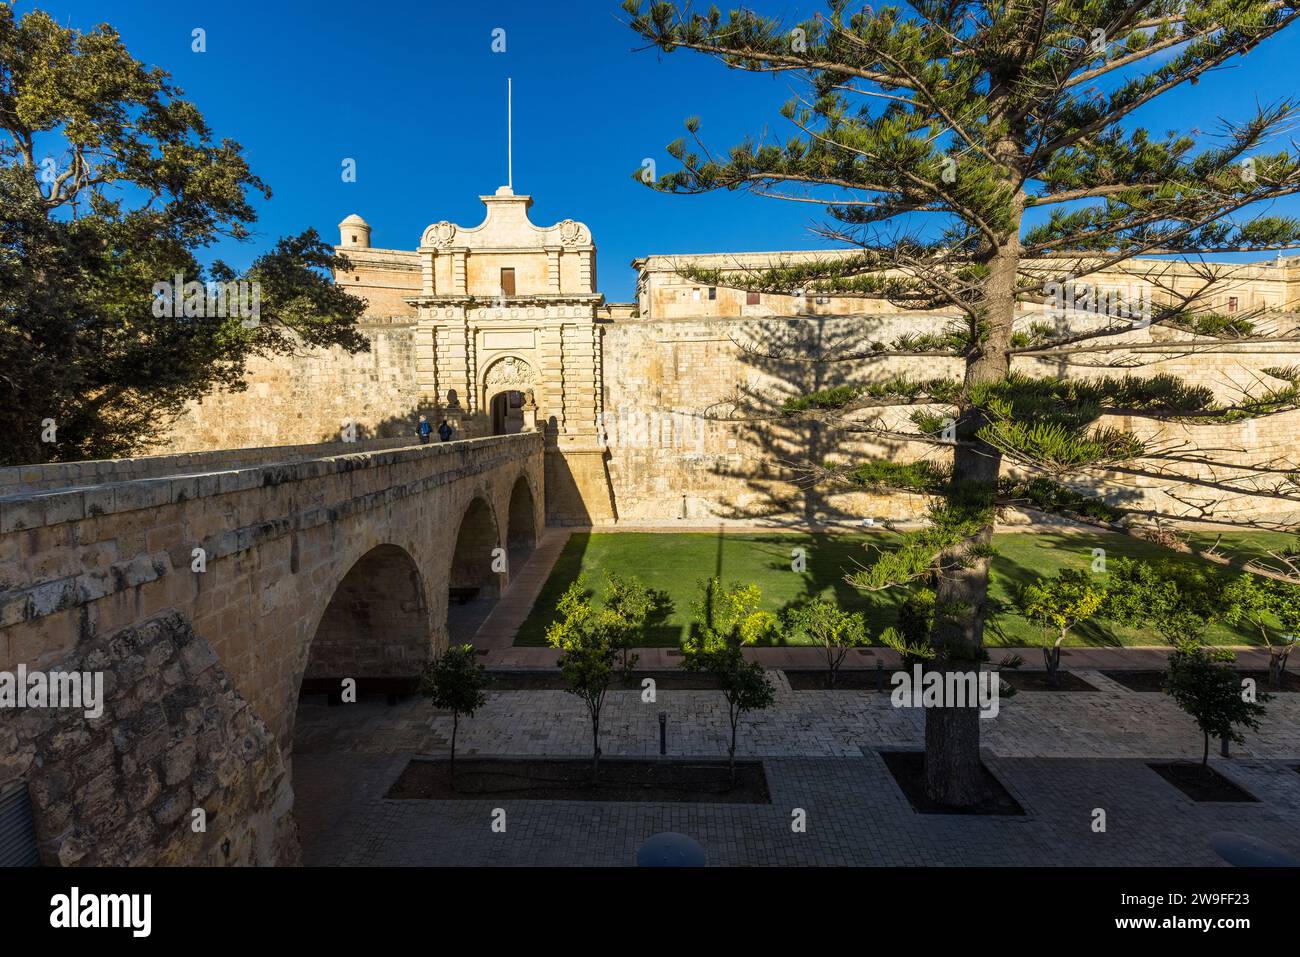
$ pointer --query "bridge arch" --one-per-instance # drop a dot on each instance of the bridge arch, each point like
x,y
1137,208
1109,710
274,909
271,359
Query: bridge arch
x,y
376,623
476,570
521,523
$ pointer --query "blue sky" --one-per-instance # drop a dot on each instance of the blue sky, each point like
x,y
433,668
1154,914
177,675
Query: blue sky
x,y
413,92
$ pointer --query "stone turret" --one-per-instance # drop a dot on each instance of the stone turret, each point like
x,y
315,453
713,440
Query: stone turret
x,y
354,231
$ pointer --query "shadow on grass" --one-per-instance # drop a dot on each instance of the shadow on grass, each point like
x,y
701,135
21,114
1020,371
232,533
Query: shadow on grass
x,y
667,561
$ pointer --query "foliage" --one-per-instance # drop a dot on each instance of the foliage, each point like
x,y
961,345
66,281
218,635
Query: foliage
x,y
729,616
454,681
1176,599
911,637
1216,324
727,619
111,182
1201,680
824,623
1057,605
630,607
919,476
1270,606
584,635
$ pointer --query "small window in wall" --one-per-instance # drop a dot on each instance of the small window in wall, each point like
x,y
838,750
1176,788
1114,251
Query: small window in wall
x,y
354,237
713,293
1232,303
695,294
752,298
507,282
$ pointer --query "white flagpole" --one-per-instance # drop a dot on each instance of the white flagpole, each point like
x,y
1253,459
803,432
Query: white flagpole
x,y
510,156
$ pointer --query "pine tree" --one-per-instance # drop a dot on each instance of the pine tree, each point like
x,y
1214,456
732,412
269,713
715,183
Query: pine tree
x,y
995,140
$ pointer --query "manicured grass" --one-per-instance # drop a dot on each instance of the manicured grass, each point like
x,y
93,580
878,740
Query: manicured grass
x,y
677,562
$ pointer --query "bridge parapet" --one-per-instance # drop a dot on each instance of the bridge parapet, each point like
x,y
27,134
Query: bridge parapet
x,y
254,557
20,479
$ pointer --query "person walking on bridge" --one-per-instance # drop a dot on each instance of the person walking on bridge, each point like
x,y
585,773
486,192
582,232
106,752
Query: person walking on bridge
x,y
423,429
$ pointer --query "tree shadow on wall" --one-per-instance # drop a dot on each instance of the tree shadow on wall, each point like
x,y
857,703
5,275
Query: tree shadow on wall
x,y
785,358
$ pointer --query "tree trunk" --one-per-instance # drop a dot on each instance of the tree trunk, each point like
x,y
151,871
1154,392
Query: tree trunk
x,y
731,753
1205,755
953,771
1276,667
451,770
595,748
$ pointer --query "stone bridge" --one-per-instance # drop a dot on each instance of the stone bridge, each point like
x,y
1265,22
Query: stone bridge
x,y
206,588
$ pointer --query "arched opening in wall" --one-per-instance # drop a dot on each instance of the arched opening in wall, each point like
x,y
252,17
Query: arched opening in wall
x,y
521,525
376,632
375,628
475,577
507,412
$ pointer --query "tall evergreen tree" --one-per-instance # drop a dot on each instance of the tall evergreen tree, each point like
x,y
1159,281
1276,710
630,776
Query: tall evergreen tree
x,y
995,139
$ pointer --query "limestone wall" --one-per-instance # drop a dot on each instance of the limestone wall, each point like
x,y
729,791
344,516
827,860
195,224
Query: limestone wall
x,y
674,393
174,737
308,397
671,386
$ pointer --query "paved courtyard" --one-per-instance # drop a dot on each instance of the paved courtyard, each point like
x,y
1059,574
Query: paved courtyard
x,y
1061,754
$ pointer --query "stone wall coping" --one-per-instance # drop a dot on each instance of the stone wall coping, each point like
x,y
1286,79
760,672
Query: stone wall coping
x,y
59,475
38,509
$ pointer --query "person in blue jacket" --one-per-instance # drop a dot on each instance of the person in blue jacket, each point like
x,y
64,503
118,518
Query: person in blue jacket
x,y
444,431
423,429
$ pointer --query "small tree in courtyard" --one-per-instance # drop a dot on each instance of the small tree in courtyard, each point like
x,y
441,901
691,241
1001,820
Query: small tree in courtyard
x,y
631,607
836,631
1174,598
1203,684
584,635
1057,605
726,619
454,682
1273,609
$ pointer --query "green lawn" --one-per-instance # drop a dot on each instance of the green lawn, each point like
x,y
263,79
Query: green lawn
x,y
676,562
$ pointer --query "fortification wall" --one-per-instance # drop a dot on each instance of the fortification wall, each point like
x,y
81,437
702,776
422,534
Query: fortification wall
x,y
309,396
690,416
691,420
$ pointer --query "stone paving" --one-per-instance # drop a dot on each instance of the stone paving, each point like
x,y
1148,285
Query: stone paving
x,y
855,815
1061,754
1112,722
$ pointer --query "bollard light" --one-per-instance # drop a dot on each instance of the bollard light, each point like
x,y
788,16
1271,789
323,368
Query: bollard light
x,y
663,732
880,675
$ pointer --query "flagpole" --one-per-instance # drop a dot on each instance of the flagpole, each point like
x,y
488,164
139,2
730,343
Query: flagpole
x,y
510,156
